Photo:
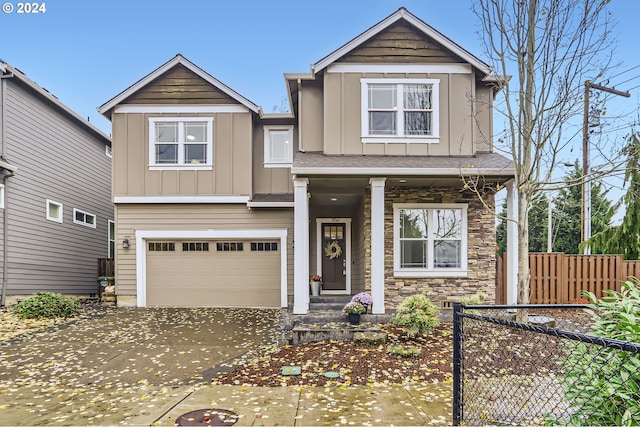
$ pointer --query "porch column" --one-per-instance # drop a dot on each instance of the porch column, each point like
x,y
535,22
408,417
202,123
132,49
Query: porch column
x,y
512,243
377,244
300,246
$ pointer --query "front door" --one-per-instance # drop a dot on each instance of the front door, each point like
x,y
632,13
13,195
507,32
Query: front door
x,y
334,257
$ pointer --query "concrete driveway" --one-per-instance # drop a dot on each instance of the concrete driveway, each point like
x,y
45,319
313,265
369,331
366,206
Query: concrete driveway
x,y
121,366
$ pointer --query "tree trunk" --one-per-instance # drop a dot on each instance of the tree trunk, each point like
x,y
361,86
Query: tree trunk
x,y
523,252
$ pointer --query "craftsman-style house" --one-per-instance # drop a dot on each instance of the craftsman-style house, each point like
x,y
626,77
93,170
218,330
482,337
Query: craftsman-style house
x,y
220,204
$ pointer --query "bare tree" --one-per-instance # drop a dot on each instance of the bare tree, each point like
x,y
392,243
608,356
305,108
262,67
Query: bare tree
x,y
542,52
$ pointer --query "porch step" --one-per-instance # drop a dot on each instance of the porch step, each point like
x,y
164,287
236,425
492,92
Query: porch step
x,y
328,302
321,325
305,333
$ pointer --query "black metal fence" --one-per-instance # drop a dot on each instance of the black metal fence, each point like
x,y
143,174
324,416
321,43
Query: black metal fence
x,y
546,369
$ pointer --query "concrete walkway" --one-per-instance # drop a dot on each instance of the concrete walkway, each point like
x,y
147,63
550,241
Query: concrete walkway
x,y
150,366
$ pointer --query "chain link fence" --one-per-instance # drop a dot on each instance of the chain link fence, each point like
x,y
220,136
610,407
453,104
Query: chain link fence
x,y
545,370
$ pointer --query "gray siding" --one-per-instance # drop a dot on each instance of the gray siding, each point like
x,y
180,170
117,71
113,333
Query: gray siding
x,y
58,160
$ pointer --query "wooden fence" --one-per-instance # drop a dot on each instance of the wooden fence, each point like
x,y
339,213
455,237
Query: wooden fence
x,y
557,278
106,267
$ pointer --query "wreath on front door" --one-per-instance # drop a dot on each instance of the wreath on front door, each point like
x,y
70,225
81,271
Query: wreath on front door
x,y
333,250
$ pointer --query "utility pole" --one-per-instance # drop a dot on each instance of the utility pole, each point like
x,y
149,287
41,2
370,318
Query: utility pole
x,y
586,182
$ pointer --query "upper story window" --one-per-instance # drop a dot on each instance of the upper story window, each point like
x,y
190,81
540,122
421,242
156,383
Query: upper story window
x,y
180,143
278,146
84,218
54,211
400,110
430,240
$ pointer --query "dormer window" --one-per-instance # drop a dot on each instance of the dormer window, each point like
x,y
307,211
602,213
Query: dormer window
x,y
180,143
400,110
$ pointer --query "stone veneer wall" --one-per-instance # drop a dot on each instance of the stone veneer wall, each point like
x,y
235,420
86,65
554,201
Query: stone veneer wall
x,y
481,248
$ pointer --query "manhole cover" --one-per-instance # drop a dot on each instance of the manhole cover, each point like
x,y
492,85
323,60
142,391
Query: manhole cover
x,y
208,417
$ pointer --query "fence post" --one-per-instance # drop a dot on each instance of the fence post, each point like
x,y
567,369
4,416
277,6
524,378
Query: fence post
x,y
457,363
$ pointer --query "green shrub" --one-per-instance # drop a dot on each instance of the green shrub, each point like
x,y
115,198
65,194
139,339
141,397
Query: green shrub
x,y
416,314
404,350
46,304
475,299
603,384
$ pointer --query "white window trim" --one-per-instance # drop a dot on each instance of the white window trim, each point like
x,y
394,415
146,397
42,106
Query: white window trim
x,y
86,224
52,218
413,139
430,272
109,240
2,195
152,155
267,144
108,152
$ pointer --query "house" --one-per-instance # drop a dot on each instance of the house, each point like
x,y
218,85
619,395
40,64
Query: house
x,y
55,193
220,204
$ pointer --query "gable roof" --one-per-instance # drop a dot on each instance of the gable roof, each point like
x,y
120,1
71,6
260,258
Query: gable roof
x,y
105,108
401,14
8,70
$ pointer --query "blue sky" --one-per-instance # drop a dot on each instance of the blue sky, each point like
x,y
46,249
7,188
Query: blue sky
x,y
86,52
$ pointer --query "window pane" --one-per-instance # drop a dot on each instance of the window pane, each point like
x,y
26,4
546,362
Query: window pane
x,y
280,146
413,254
195,153
195,131
112,230
447,253
413,223
448,223
166,153
417,123
382,96
417,97
167,132
382,123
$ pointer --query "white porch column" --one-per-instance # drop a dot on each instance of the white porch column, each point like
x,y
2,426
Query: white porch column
x,y
300,246
377,244
512,243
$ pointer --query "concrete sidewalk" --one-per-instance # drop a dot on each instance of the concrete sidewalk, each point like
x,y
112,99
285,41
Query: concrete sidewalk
x,y
254,406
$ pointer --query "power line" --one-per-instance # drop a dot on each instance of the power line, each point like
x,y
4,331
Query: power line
x,y
624,72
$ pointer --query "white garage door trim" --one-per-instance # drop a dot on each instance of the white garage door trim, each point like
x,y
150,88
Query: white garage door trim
x,y
141,252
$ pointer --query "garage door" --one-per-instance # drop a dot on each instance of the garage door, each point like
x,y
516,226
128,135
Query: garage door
x,y
213,273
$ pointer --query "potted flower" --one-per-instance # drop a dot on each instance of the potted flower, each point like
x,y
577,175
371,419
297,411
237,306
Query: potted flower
x,y
315,282
354,309
363,298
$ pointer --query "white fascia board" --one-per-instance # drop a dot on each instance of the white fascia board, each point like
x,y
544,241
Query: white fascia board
x,y
178,59
11,168
400,68
193,109
402,171
384,24
181,199
270,204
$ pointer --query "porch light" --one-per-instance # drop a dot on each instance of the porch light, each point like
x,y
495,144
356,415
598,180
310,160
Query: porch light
x,y
125,243
333,199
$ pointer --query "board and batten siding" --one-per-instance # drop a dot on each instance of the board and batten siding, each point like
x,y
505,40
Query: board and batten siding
x,y
231,174
57,160
197,216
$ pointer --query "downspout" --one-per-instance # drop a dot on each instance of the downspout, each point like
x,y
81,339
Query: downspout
x,y
5,231
300,144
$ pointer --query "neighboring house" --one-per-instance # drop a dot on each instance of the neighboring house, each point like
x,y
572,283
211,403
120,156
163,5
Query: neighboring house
x,y
55,193
219,204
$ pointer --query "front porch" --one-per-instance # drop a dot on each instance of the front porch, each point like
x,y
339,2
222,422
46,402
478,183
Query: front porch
x,y
348,230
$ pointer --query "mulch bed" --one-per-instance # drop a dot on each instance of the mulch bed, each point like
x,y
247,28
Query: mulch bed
x,y
357,364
